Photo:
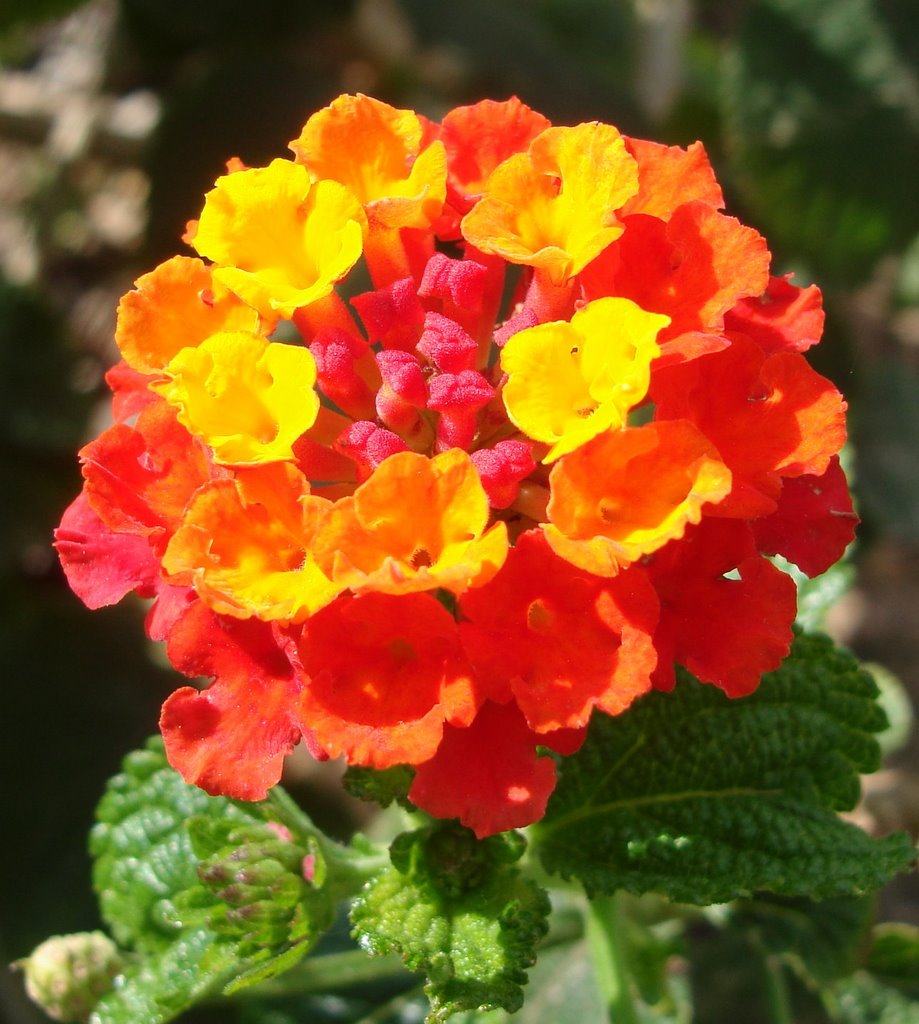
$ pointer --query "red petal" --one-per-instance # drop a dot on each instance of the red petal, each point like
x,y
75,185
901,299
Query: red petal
x,y
725,631
693,268
814,523
383,674
102,566
230,739
561,639
488,774
784,318
769,416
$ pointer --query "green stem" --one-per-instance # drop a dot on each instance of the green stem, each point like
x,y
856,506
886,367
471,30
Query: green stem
x,y
777,1000
610,958
327,973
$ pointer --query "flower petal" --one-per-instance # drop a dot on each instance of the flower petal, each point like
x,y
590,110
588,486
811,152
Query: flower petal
x,y
627,493
382,675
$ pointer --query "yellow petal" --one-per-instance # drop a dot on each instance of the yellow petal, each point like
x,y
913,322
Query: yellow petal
x,y
246,397
569,382
281,242
554,206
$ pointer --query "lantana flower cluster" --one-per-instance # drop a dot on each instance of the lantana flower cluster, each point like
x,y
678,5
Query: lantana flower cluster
x,y
450,436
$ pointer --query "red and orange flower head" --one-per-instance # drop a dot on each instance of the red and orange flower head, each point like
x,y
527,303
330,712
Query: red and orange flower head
x,y
433,526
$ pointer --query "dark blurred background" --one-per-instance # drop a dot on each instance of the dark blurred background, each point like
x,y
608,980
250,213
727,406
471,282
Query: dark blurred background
x,y
115,118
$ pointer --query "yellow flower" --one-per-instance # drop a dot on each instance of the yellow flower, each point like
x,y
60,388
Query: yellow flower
x,y
553,207
568,382
282,241
246,397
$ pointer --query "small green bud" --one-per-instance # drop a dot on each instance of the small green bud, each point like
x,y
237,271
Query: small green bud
x,y
68,974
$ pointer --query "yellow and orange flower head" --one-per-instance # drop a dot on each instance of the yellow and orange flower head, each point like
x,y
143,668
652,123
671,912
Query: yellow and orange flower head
x,y
437,527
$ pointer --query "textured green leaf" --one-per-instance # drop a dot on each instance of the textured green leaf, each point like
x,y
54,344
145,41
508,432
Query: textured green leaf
x,y
458,910
142,850
160,986
209,894
820,940
705,799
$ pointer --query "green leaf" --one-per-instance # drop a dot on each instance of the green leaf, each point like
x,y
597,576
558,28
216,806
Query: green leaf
x,y
160,986
382,787
705,799
142,850
210,895
894,956
457,909
821,941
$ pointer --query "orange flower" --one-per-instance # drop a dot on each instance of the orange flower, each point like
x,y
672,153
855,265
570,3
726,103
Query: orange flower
x,y
245,546
415,524
376,151
480,137
177,306
627,494
554,206
282,242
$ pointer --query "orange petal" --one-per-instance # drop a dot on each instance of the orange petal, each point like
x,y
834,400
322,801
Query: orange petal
x,y
627,493
483,135
669,176
177,306
415,524
375,150
554,206
245,546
